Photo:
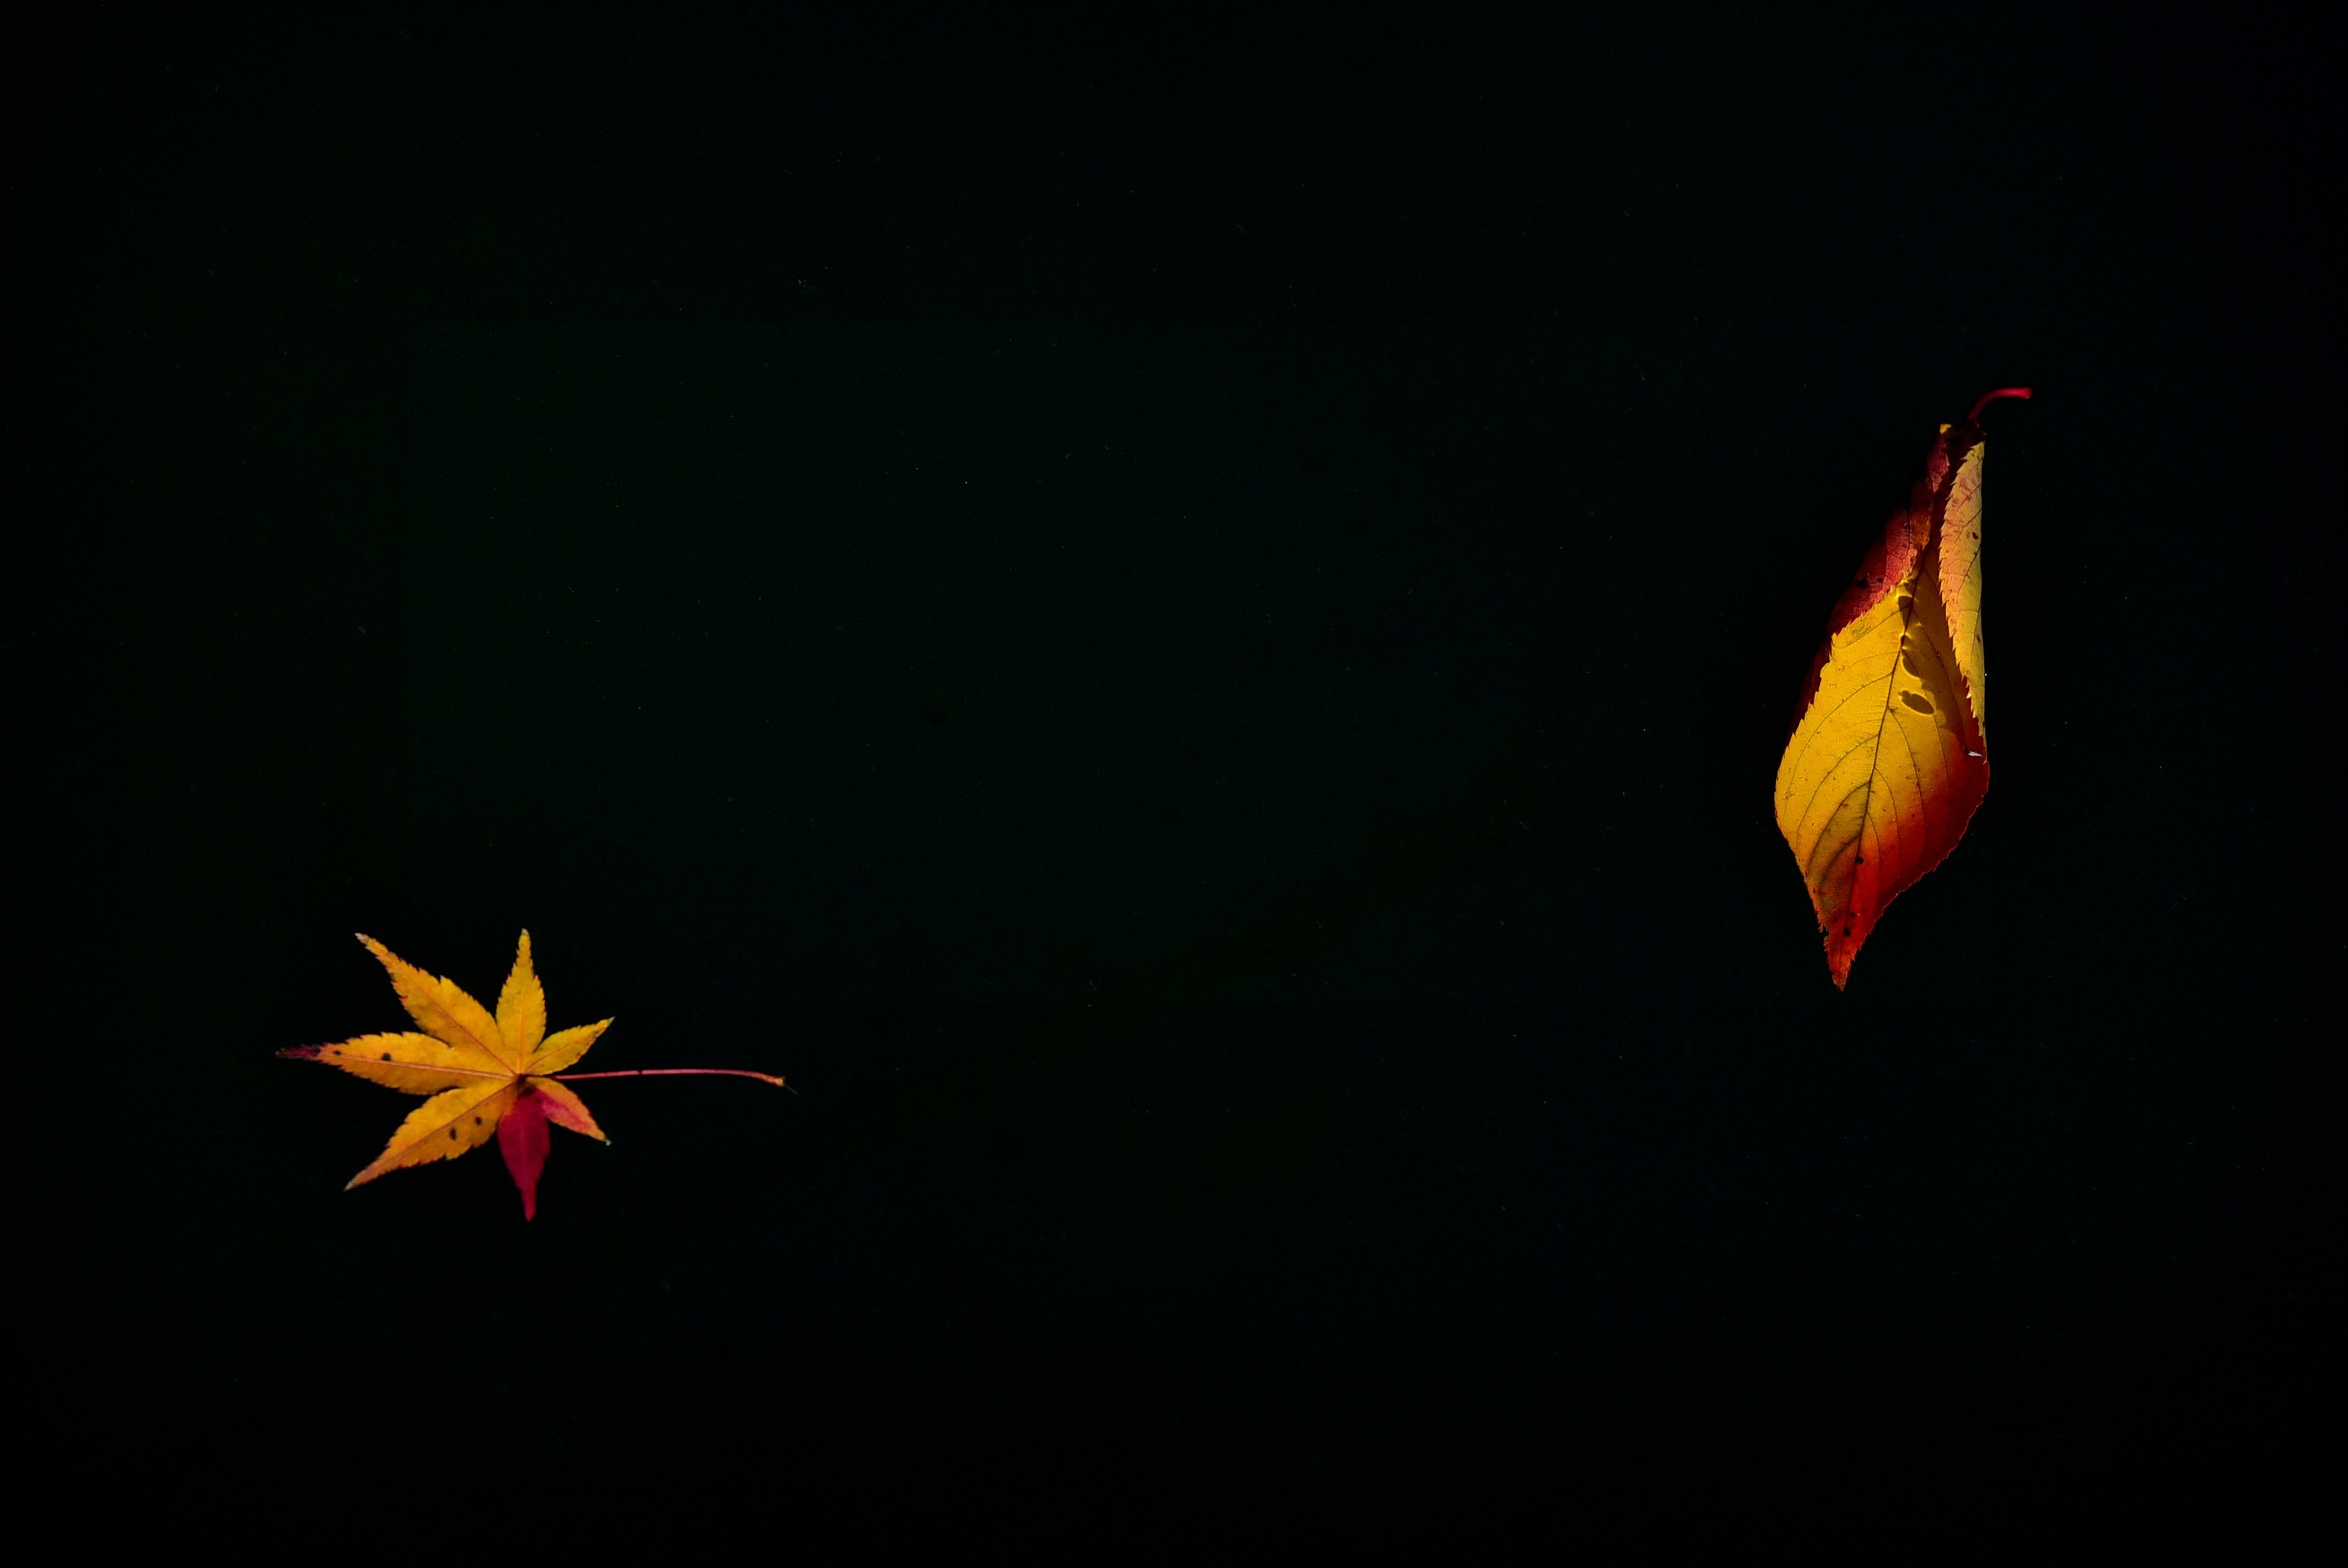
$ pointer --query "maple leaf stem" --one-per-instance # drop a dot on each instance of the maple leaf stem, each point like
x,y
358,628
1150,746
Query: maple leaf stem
x,y
676,1073
1989,398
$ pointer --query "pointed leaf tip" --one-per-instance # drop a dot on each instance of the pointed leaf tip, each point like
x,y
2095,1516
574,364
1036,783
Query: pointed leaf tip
x,y
521,1138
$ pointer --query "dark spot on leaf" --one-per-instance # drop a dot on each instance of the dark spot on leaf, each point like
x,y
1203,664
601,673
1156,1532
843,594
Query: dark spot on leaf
x,y
452,1131
386,1055
1921,704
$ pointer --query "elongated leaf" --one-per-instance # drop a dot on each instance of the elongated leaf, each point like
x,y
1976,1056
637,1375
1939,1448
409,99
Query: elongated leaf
x,y
1889,758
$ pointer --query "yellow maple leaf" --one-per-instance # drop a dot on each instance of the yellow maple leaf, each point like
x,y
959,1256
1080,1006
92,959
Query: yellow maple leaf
x,y
485,1075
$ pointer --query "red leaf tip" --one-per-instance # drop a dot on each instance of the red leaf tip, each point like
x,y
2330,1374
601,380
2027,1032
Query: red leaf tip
x,y
522,1139
303,1052
1989,398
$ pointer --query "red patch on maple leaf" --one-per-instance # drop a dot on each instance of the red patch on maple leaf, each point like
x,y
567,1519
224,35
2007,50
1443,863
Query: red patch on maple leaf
x,y
522,1139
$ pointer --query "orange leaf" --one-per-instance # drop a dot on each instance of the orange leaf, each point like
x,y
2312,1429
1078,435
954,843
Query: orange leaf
x,y
1889,754
486,1076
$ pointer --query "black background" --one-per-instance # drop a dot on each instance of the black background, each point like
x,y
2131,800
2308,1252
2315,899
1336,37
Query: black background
x,y
1190,630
